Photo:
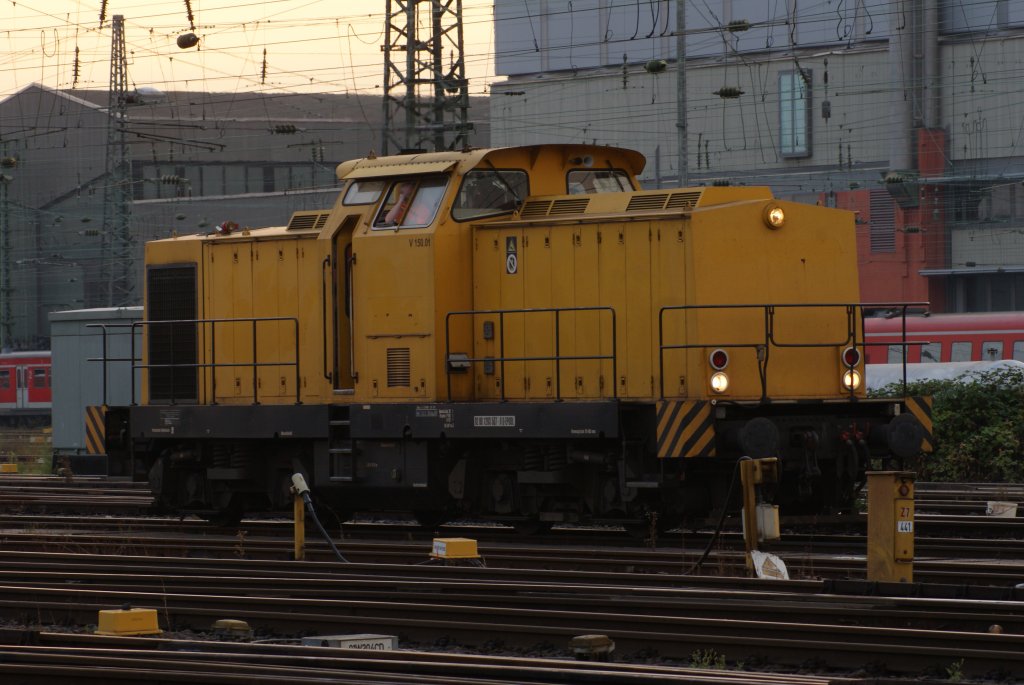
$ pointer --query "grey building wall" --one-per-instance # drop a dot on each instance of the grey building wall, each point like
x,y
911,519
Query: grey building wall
x,y
572,84
875,73
196,159
162,218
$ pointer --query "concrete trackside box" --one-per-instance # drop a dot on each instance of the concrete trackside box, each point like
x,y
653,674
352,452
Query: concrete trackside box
x,y
77,337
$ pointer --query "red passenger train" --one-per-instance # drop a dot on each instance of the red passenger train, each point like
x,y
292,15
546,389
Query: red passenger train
x,y
25,387
945,338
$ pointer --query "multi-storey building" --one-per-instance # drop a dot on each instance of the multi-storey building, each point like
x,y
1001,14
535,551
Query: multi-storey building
x,y
197,160
908,111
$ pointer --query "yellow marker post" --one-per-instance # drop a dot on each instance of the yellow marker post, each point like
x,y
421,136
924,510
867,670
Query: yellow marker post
x,y
299,517
891,526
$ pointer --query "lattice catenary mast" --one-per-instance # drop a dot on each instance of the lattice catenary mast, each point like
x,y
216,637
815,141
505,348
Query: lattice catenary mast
x,y
426,104
6,320
118,255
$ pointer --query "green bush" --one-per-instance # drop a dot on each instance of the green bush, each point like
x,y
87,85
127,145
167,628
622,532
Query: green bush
x,y
978,427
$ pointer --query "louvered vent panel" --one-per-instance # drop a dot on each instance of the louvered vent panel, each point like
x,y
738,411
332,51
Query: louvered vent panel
x,y
683,200
398,367
576,206
883,221
640,203
534,209
307,220
173,347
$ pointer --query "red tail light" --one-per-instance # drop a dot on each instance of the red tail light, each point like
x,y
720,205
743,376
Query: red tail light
x,y
851,357
719,359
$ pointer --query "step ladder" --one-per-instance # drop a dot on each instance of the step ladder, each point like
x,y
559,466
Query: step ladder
x,y
340,445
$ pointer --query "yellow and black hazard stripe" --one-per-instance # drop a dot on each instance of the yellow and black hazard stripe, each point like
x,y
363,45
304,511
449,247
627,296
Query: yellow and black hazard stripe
x,y
96,429
921,409
685,429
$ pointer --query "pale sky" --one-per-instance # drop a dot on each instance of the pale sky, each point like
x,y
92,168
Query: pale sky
x,y
311,45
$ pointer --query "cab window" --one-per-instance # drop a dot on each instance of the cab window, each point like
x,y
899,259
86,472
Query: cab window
x,y
586,181
411,202
363,192
489,192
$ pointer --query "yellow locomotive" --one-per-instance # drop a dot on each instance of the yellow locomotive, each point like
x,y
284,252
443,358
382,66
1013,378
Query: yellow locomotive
x,y
517,334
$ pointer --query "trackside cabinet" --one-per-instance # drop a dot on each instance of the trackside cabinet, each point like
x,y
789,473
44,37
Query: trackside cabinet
x,y
891,526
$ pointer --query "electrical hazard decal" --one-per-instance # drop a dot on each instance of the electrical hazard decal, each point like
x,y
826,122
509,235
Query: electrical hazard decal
x,y
511,255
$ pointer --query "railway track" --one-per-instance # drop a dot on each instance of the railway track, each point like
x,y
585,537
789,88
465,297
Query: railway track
x,y
951,507
57,570
79,494
939,560
792,624
57,657
53,501
544,556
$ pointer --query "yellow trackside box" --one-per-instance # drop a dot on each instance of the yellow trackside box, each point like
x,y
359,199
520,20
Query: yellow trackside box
x,y
454,548
128,622
8,468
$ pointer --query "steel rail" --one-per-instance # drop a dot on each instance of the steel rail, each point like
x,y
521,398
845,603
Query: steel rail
x,y
284,663
900,650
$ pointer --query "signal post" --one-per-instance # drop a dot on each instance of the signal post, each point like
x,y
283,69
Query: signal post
x,y
891,526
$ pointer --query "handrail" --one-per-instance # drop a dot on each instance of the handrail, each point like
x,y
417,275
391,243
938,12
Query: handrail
x,y
323,311
770,339
557,357
105,358
255,365
904,343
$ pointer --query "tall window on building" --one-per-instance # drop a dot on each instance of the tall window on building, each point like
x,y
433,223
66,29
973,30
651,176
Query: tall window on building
x,y
795,113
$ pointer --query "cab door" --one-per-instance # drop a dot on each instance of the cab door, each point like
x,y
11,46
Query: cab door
x,y
342,301
8,387
36,390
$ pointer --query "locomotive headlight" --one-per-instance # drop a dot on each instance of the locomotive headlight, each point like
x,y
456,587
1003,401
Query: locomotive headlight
x,y
719,382
774,216
851,379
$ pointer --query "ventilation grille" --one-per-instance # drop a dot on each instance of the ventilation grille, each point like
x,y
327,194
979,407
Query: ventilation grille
x,y
640,203
535,209
398,367
539,208
171,296
686,200
304,221
574,206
